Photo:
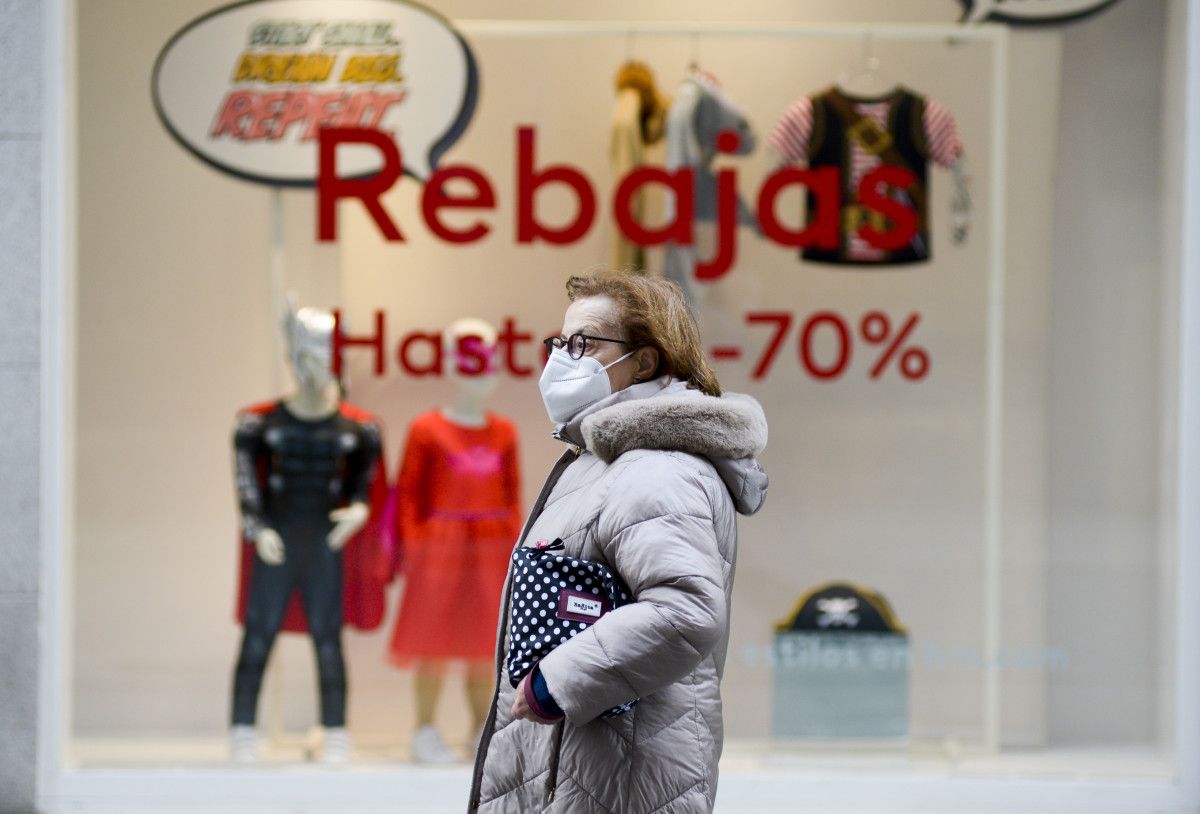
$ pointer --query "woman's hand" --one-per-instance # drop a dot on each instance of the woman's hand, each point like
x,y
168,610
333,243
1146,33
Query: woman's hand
x,y
520,707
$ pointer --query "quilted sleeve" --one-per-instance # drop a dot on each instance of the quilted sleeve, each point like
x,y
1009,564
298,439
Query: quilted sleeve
x,y
657,530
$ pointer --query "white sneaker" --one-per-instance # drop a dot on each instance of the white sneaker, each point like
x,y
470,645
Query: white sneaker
x,y
337,747
243,744
429,748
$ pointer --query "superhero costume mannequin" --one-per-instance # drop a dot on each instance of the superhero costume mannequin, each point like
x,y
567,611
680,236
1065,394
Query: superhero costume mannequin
x,y
306,467
458,511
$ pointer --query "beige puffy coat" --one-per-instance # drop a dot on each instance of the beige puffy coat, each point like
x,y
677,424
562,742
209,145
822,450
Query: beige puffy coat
x,y
651,486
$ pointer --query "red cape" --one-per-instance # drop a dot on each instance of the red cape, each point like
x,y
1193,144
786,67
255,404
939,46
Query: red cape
x,y
367,560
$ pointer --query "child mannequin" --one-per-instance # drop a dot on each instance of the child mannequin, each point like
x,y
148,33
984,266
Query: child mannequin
x,y
306,469
458,515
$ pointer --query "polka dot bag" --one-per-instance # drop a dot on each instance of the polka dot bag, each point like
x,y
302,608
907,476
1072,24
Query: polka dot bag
x,y
554,598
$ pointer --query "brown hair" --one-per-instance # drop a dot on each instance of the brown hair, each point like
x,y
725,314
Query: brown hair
x,y
653,313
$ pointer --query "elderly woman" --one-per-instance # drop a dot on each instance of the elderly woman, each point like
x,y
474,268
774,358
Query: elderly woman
x,y
657,466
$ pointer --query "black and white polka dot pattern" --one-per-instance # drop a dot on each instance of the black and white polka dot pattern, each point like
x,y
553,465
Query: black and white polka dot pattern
x,y
554,598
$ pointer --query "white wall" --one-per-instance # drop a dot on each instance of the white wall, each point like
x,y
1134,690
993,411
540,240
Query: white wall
x,y
1171,191
175,333
22,145
1107,383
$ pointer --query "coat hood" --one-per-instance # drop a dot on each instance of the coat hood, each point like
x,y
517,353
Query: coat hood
x,y
729,431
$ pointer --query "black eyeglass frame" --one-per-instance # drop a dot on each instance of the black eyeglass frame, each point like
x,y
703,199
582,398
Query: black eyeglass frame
x,y
555,342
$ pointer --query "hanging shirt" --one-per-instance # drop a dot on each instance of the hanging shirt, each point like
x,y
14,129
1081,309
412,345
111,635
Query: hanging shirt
x,y
857,135
699,113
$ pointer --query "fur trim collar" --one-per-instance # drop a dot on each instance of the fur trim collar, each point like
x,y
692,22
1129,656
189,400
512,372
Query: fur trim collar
x,y
730,427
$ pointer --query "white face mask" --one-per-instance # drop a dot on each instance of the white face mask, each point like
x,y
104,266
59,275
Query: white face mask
x,y
571,385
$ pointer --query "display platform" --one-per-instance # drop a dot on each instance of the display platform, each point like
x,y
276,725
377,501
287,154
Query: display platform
x,y
740,757
761,776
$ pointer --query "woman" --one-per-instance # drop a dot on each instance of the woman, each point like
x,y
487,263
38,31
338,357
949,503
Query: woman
x,y
658,464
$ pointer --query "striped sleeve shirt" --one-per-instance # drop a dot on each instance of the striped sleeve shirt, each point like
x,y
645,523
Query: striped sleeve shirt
x,y
792,133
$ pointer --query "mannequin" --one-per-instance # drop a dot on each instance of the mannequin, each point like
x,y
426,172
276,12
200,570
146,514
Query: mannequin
x,y
458,512
471,345
309,478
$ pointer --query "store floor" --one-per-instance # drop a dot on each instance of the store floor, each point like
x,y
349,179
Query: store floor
x,y
194,777
740,757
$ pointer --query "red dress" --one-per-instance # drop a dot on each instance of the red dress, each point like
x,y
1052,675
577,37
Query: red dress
x,y
458,515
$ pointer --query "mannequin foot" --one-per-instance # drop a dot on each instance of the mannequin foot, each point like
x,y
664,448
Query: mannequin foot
x,y
429,748
337,746
243,744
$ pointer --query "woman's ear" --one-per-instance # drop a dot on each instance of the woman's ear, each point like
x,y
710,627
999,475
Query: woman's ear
x,y
645,363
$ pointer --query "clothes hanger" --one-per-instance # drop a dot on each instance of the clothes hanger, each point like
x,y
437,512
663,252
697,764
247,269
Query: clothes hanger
x,y
694,71
863,77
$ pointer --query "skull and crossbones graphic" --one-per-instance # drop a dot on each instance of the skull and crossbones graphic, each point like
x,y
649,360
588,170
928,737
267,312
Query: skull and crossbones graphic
x,y
837,611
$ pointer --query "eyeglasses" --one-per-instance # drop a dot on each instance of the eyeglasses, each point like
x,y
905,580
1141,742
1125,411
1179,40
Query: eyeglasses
x,y
576,344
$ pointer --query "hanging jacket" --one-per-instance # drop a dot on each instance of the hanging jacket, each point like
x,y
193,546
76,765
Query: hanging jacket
x,y
638,120
699,113
625,154
651,486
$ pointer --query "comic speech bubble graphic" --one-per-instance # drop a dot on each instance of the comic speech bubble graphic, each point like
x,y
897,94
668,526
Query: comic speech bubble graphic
x,y
1030,11
247,87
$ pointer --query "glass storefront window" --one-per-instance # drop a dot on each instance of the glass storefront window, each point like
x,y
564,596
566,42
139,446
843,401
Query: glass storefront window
x,y
966,560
